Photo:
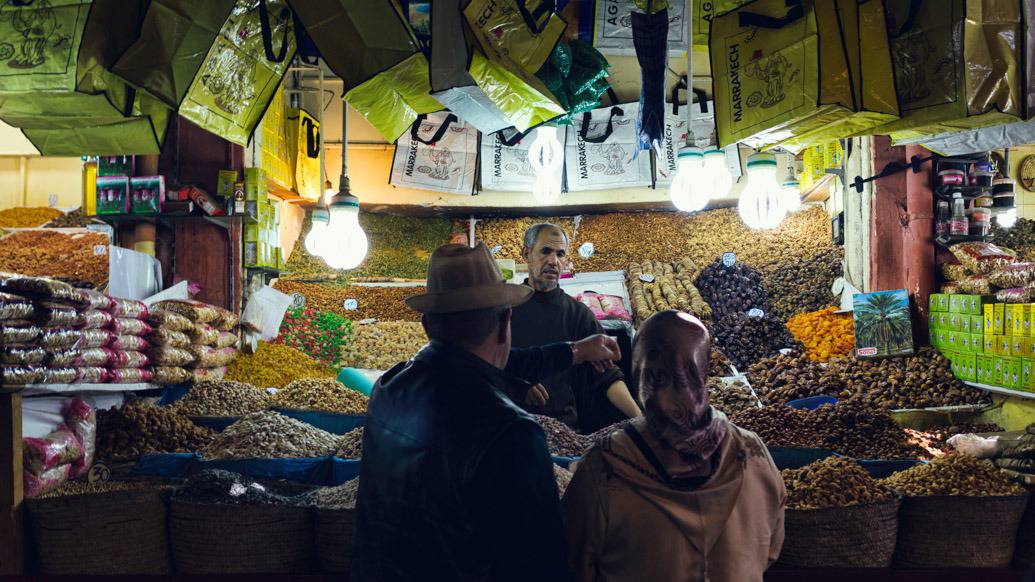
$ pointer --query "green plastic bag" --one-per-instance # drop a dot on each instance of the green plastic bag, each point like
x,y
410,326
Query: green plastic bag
x,y
392,100
142,133
520,33
242,70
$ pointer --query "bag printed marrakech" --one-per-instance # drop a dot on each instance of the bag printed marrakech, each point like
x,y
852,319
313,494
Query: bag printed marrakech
x,y
439,153
675,137
613,33
504,166
600,148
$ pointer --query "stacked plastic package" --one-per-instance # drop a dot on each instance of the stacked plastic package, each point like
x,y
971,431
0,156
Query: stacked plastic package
x,y
66,453
53,333
191,340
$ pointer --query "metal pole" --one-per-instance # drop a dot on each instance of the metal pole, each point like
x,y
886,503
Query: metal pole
x,y
323,155
689,15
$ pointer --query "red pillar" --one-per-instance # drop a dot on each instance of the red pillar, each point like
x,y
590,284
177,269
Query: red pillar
x,y
902,250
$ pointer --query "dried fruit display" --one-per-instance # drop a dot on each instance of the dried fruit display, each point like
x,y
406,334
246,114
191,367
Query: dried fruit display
x,y
27,216
719,364
326,394
73,219
390,254
221,398
381,303
731,397
562,477
509,233
832,482
824,333
778,425
747,338
561,439
85,488
382,345
862,433
954,474
138,429
341,497
730,289
351,445
1020,238
268,434
781,378
219,487
80,258
318,334
275,366
800,284
655,286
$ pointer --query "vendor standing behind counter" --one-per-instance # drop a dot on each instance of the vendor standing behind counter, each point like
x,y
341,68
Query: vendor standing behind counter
x,y
580,396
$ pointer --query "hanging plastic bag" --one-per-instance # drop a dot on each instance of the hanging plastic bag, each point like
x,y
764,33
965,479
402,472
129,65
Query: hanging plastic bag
x,y
305,135
612,31
599,151
439,153
505,165
521,32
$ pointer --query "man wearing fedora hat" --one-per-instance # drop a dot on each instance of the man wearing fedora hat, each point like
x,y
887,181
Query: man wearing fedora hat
x,y
456,481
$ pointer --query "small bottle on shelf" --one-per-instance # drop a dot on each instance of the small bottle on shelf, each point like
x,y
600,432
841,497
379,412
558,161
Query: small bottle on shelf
x,y
959,226
944,219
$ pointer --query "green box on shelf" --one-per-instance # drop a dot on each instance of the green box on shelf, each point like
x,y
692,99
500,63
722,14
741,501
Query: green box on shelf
x,y
965,323
970,370
1015,380
932,320
952,341
984,369
1026,378
963,343
997,370
932,336
934,302
989,344
955,303
977,324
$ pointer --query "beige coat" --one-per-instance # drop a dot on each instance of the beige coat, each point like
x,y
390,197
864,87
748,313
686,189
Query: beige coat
x,y
625,524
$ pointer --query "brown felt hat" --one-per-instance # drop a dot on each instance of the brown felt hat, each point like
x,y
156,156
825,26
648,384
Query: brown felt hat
x,y
461,278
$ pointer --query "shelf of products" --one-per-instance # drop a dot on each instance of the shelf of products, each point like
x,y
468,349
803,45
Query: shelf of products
x,y
35,389
168,219
1001,390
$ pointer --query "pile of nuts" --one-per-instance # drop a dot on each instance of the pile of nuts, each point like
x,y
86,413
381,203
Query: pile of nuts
x,y
734,289
954,474
383,344
509,233
719,364
655,286
74,219
832,482
221,398
86,488
1019,238
382,303
862,433
802,284
80,258
275,366
219,487
340,497
27,216
745,339
270,435
778,426
731,397
561,439
326,394
562,477
351,445
824,333
138,429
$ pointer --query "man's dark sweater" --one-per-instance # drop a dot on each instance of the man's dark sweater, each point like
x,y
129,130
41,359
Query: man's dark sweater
x,y
578,396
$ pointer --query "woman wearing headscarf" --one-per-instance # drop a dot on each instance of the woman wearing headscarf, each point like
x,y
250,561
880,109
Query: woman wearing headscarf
x,y
680,493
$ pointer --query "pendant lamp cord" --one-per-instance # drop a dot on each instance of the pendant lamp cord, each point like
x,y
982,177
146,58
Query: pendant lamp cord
x,y
689,15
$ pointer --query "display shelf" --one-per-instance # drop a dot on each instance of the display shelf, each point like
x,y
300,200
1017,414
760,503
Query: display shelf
x,y
1001,390
168,219
35,389
946,240
967,192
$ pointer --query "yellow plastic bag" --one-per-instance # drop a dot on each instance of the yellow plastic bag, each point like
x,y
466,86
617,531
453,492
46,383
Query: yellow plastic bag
x,y
523,99
392,100
517,31
705,11
957,64
307,158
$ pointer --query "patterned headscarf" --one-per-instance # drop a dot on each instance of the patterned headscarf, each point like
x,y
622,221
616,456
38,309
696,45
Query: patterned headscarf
x,y
670,359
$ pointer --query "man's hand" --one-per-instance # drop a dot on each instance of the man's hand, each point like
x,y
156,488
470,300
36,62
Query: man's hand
x,y
537,396
601,351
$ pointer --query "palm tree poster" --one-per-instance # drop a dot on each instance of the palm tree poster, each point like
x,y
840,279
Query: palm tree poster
x,y
882,324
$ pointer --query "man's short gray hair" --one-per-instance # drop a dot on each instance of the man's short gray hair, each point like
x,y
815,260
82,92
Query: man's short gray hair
x,y
532,234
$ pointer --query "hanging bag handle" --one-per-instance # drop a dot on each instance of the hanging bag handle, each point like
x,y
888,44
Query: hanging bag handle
x,y
587,117
267,34
680,86
442,129
794,12
532,18
312,138
914,10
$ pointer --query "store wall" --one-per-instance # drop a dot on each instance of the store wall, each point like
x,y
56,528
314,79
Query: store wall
x,y
1025,200
31,181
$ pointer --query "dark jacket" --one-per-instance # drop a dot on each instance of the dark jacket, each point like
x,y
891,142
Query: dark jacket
x,y
578,395
456,482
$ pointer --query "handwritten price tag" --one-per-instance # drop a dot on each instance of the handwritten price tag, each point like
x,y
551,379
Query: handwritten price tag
x,y
99,249
297,300
729,259
351,304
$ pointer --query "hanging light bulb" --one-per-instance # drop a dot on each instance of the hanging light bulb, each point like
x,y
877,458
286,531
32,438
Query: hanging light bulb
x,y
328,192
687,192
1007,219
314,241
761,202
546,156
716,179
345,244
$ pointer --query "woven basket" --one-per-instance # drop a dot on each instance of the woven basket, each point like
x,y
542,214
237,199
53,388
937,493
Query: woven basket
x,y
944,531
117,532
1024,550
858,536
334,539
241,539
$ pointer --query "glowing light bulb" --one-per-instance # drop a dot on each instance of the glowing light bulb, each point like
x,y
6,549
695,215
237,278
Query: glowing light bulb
x,y
761,202
791,195
547,188
345,244
716,178
314,241
546,153
1007,219
687,191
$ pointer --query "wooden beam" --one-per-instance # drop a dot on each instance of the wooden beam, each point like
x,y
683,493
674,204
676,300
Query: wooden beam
x,y
918,241
887,219
12,527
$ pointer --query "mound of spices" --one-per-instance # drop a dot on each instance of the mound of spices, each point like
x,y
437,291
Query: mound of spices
x,y
138,429
27,216
954,474
326,394
824,333
275,366
221,398
270,435
832,482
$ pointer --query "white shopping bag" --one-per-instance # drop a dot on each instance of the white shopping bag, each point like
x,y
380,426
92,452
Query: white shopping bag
x,y
599,150
675,136
613,34
440,153
504,165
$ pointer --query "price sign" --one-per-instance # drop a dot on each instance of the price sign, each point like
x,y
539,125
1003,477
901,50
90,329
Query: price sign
x,y
99,249
586,250
99,473
729,259
272,390
756,312
52,200
647,278
351,304
297,300
496,249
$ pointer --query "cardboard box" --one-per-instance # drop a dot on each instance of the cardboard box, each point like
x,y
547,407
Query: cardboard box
x,y
1018,313
963,342
999,314
955,303
932,336
1007,320
1026,377
1017,346
974,303
1025,314
977,324
990,344
984,369
932,320
952,341
988,315
1003,346
1014,381
964,323
954,321
934,303
997,370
